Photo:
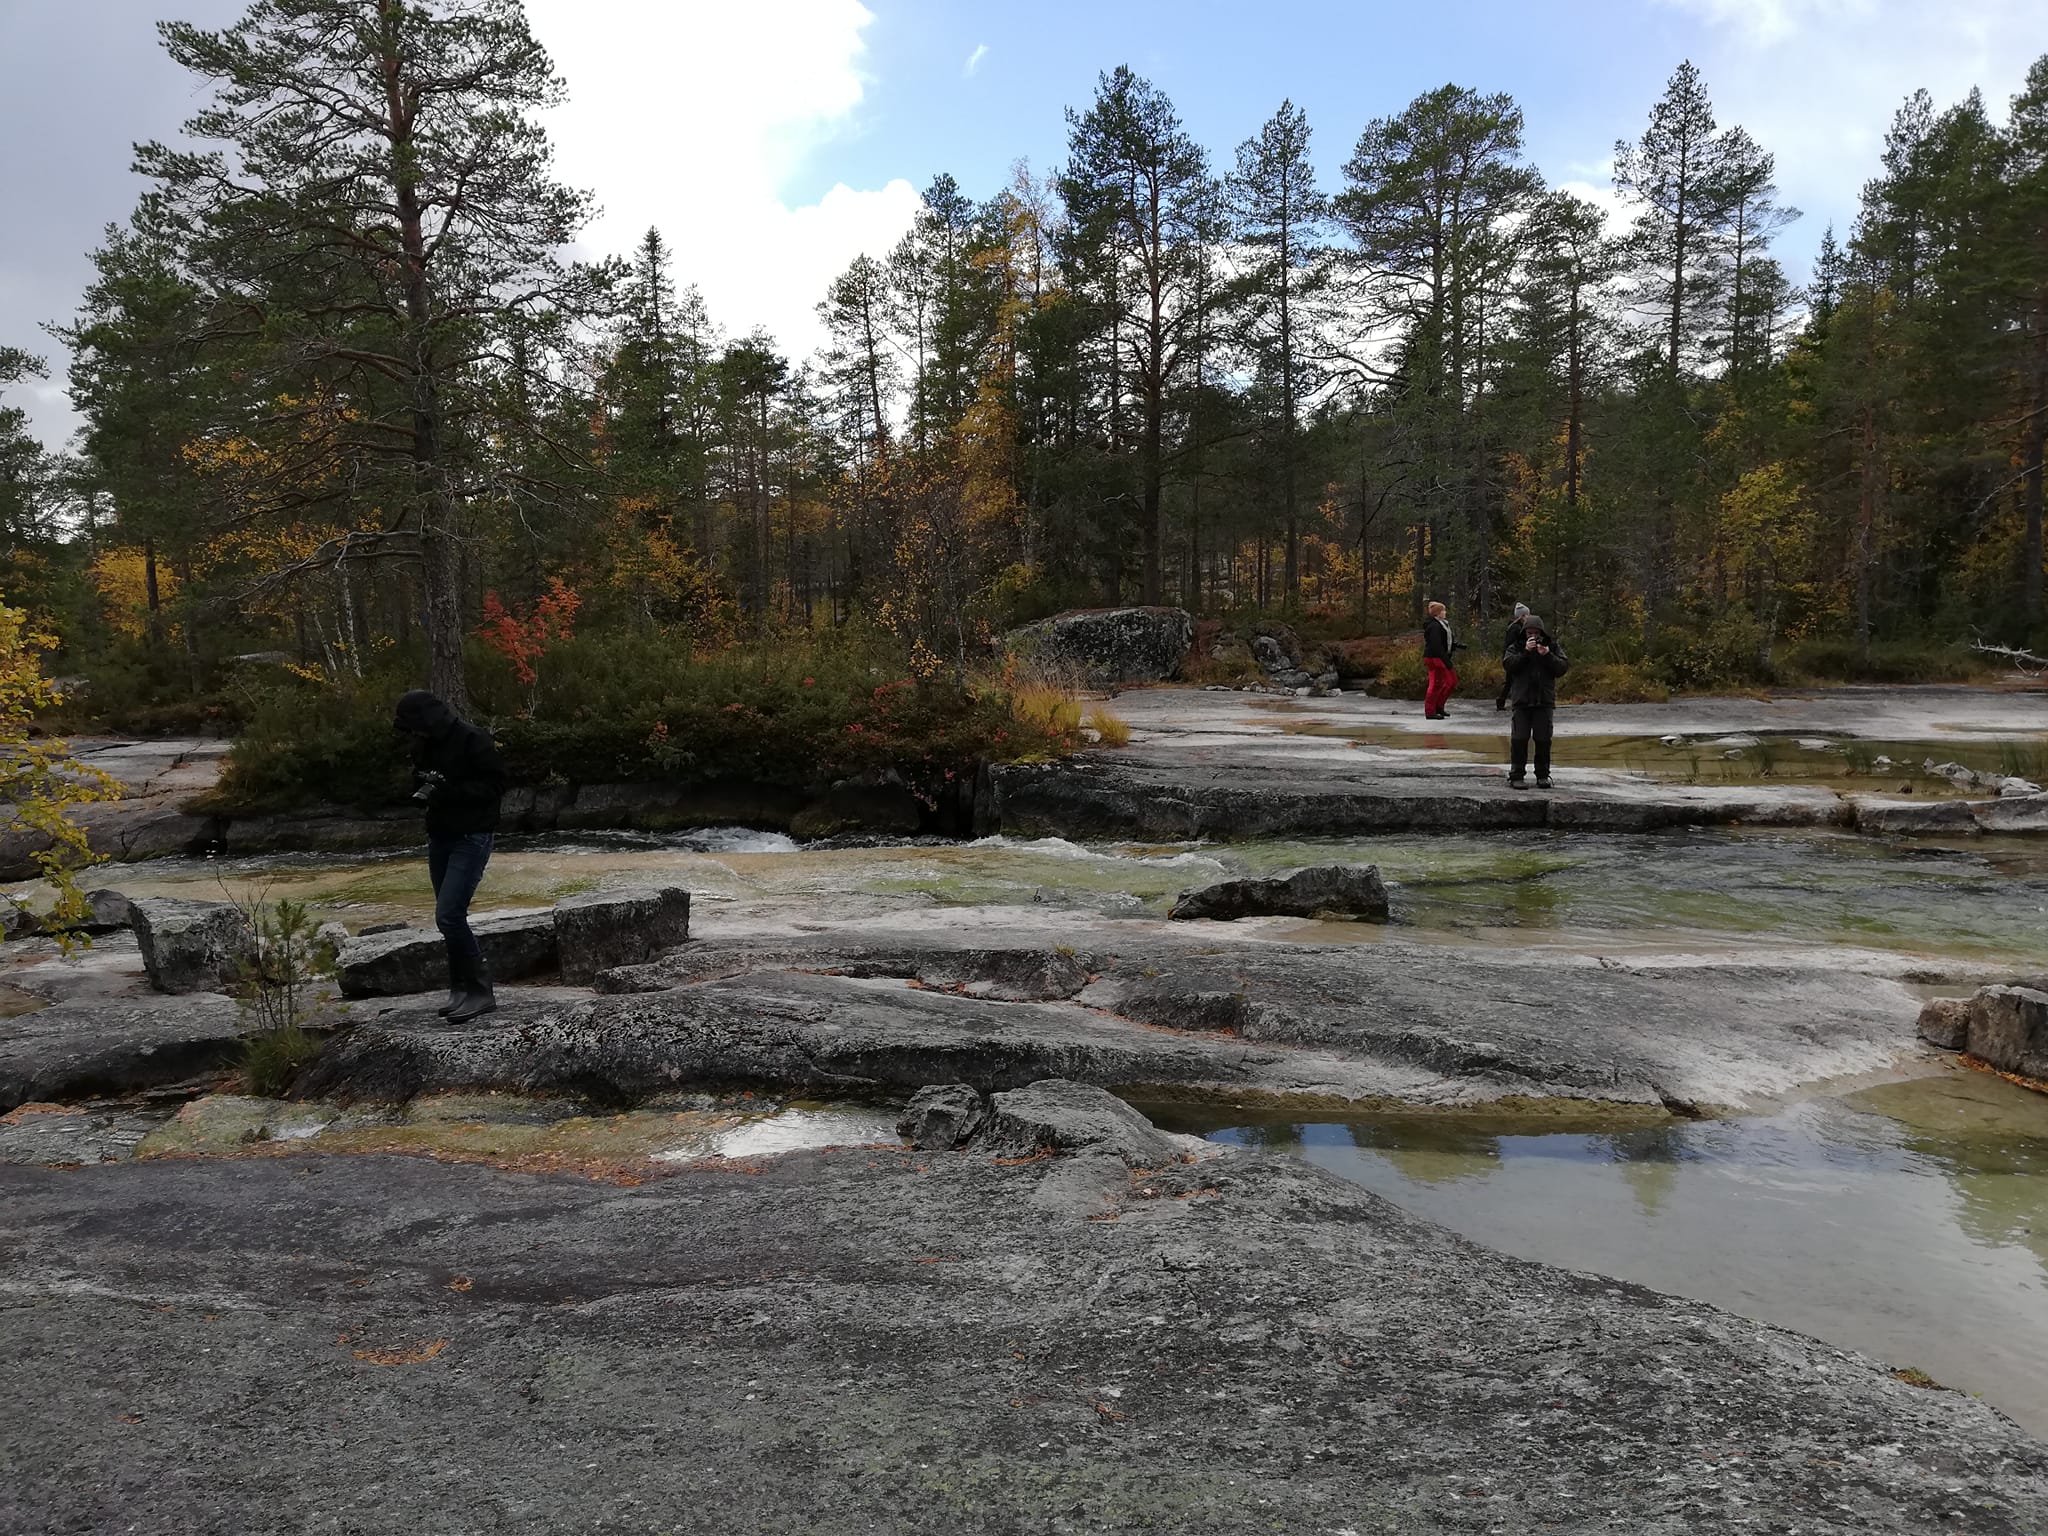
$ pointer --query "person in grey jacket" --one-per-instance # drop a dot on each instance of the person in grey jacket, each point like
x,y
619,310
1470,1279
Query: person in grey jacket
x,y
1533,667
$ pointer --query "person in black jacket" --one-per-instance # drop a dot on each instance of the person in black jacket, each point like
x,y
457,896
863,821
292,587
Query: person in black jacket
x,y
1512,639
1533,667
460,780
1439,645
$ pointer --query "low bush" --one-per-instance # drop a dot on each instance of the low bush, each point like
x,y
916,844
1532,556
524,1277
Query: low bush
x,y
626,709
1611,682
1402,674
1888,661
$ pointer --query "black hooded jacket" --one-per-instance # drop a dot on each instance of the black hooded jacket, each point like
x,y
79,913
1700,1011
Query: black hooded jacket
x,y
472,774
1437,644
1532,677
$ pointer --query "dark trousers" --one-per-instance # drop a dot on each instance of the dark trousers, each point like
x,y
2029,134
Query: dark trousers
x,y
1532,723
455,863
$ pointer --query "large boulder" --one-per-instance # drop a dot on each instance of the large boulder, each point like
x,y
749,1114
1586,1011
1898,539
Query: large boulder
x,y
600,929
2009,1029
192,946
1108,647
515,945
1055,1115
940,1117
1334,890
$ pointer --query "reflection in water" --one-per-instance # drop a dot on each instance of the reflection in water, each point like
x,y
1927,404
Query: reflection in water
x,y
1908,1221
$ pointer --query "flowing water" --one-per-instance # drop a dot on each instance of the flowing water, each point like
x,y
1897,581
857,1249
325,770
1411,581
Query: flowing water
x,y
1982,901
1908,1220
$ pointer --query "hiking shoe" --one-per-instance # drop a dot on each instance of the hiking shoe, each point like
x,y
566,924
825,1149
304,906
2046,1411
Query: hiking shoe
x,y
1518,783
1543,783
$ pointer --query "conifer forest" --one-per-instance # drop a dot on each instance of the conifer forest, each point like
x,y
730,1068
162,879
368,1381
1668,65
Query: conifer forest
x,y
347,396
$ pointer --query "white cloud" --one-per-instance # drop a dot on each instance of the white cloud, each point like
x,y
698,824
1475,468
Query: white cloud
x,y
1763,22
974,59
695,116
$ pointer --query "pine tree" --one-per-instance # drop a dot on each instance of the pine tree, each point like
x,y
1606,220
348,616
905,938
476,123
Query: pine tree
x,y
382,211
1280,216
1433,198
1138,191
1680,176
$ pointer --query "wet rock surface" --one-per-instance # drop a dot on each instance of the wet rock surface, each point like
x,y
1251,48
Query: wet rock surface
x,y
895,1341
1336,890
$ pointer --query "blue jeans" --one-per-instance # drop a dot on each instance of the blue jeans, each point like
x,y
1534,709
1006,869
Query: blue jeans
x,y
455,863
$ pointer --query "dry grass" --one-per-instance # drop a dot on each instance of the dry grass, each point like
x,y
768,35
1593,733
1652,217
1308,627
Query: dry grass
x,y
1112,728
1045,709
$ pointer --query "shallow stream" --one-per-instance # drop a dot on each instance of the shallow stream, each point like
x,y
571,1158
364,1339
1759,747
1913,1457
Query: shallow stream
x,y
1983,901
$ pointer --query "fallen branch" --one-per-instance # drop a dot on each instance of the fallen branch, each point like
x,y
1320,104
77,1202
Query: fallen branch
x,y
2025,661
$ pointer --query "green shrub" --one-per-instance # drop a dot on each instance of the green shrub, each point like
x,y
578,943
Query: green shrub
x,y
1402,674
624,708
1725,653
1611,683
1888,661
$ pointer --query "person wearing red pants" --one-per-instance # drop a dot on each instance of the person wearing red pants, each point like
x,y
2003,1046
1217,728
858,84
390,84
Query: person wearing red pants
x,y
1438,647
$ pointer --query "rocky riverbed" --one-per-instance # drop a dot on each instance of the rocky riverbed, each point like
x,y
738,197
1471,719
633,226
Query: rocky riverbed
x,y
658,1200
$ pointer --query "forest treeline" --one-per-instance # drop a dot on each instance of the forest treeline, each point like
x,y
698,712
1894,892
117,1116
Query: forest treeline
x,y
344,389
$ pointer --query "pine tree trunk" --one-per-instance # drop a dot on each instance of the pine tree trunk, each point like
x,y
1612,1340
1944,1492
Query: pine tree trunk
x,y
438,518
2036,440
149,584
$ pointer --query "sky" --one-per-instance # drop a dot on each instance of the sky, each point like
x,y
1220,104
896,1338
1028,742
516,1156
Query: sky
x,y
775,140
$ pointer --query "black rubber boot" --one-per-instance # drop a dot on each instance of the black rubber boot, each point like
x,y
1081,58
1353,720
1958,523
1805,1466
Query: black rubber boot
x,y
477,996
458,986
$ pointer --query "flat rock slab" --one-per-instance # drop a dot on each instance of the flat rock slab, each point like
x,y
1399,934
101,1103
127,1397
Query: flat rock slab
x,y
408,960
884,1341
1338,1023
72,1050
1211,796
825,1034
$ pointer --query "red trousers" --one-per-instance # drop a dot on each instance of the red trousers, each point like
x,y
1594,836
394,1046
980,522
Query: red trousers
x,y
1441,681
